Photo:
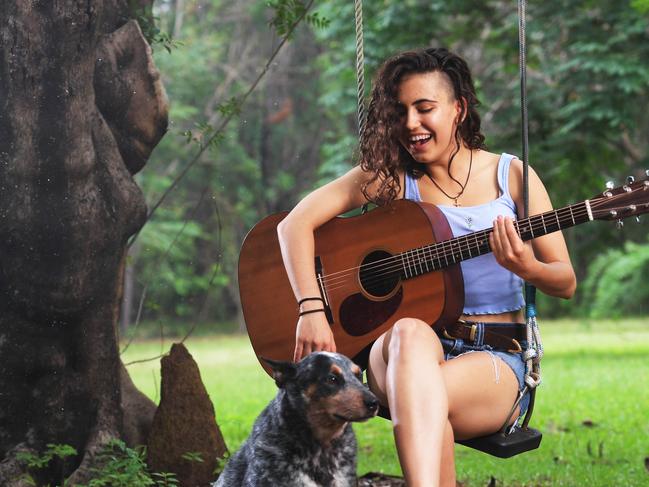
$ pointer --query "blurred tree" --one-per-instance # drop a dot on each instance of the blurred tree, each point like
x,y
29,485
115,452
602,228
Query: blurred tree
x,y
263,160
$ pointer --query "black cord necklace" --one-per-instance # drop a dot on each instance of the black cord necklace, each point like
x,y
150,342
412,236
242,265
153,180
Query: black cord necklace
x,y
463,186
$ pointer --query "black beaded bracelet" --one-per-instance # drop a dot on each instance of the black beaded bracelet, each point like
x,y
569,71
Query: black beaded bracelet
x,y
302,313
315,298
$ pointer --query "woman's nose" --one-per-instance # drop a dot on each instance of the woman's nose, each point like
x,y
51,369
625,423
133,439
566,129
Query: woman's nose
x,y
411,120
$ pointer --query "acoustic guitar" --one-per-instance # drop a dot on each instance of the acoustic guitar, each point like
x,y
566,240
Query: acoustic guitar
x,y
399,260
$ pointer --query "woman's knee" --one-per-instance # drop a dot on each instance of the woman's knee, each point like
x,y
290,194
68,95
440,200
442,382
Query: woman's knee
x,y
376,370
410,334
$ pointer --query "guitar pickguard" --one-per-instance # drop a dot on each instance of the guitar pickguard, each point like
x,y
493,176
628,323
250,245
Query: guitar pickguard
x,y
360,315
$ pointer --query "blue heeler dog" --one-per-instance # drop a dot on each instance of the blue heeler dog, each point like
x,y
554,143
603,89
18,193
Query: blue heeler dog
x,y
304,437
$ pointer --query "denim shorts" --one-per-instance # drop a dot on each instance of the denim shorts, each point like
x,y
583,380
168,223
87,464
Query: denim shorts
x,y
453,348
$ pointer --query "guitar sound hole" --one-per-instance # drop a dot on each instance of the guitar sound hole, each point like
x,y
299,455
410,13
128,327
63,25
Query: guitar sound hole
x,y
379,275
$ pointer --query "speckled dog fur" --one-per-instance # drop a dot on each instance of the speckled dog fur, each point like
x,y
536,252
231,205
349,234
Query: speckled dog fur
x,y
304,438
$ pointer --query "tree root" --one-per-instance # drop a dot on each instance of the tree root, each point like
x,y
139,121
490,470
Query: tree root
x,y
13,471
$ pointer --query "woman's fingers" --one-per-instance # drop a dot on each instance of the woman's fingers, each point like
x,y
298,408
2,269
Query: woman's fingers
x,y
507,245
313,335
297,354
513,238
499,243
509,249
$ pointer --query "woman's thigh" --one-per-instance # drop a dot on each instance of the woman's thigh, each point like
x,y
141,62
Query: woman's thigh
x,y
481,391
481,387
412,336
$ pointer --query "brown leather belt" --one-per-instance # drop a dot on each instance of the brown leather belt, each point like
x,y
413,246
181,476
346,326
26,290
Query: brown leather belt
x,y
502,336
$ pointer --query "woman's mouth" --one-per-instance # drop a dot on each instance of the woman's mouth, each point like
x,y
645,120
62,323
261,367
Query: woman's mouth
x,y
417,142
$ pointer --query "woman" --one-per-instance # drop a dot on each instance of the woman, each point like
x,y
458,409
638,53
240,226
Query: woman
x,y
423,142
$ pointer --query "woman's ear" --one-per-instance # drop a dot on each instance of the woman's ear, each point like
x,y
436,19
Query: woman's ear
x,y
461,108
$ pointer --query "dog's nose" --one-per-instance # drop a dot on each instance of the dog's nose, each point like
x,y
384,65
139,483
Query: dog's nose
x,y
372,404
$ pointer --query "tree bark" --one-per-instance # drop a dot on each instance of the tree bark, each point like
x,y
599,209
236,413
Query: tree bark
x,y
81,108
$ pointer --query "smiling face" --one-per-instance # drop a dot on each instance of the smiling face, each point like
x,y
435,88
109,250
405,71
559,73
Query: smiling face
x,y
430,114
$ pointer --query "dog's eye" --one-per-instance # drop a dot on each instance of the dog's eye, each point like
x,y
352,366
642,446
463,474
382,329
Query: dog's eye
x,y
332,379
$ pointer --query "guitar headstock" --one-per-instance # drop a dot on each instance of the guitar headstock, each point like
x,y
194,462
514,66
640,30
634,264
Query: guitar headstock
x,y
631,199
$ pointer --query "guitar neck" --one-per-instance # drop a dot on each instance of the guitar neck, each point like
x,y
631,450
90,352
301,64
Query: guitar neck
x,y
439,255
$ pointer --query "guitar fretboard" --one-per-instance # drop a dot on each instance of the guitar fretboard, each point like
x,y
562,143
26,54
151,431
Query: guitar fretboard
x,y
428,258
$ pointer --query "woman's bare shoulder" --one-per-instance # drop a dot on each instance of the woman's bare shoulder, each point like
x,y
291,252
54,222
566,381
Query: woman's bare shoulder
x,y
486,160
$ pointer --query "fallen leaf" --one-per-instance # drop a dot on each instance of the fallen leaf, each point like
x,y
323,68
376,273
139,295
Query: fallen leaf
x,y
588,423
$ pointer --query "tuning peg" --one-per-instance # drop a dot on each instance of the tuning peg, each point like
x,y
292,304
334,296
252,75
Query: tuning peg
x,y
619,224
630,180
610,185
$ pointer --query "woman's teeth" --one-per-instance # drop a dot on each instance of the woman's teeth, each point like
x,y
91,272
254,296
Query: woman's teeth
x,y
419,139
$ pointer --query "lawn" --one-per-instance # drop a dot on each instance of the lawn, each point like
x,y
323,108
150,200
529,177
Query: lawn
x,y
592,407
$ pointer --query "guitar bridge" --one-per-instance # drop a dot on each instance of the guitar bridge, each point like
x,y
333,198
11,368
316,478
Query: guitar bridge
x,y
323,292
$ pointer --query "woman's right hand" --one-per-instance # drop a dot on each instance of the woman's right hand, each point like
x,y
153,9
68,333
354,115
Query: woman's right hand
x,y
313,334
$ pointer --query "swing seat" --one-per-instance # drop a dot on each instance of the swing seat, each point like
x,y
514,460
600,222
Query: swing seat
x,y
499,444
506,445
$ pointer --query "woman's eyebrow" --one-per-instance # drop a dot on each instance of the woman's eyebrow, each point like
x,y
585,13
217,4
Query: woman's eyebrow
x,y
423,100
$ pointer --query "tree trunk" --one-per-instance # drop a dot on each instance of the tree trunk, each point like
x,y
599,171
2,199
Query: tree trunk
x,y
81,108
127,299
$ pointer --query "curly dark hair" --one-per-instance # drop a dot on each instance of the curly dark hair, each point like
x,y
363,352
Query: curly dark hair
x,y
380,149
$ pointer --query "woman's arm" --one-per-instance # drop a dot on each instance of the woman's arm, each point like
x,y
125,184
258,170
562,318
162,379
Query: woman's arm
x,y
297,245
545,261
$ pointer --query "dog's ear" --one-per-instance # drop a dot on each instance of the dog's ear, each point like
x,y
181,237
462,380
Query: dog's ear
x,y
283,371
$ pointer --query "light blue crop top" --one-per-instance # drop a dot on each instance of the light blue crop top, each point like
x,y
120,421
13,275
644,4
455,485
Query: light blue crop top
x,y
489,288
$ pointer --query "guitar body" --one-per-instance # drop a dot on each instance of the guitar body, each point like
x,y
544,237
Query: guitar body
x,y
359,307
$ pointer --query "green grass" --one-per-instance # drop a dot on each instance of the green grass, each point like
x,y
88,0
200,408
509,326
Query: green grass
x,y
594,373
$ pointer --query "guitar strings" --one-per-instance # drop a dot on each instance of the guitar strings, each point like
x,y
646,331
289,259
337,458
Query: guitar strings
x,y
448,248
394,264
442,252
466,242
445,251
429,256
420,262
380,277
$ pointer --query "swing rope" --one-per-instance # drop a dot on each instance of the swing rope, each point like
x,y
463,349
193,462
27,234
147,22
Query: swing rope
x,y
534,352
360,66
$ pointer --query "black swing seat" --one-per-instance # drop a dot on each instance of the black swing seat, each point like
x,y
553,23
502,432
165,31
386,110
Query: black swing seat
x,y
507,445
500,444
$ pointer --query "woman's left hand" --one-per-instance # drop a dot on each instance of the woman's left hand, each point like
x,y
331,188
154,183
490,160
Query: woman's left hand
x,y
510,251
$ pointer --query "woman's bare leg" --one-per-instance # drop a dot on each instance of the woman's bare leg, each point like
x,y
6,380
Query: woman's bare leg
x,y
415,391
473,398
447,467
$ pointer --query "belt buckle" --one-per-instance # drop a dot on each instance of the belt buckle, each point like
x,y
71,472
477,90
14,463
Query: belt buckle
x,y
474,330
473,326
518,346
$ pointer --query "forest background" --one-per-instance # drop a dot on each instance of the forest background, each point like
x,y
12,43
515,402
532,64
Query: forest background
x,y
588,97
